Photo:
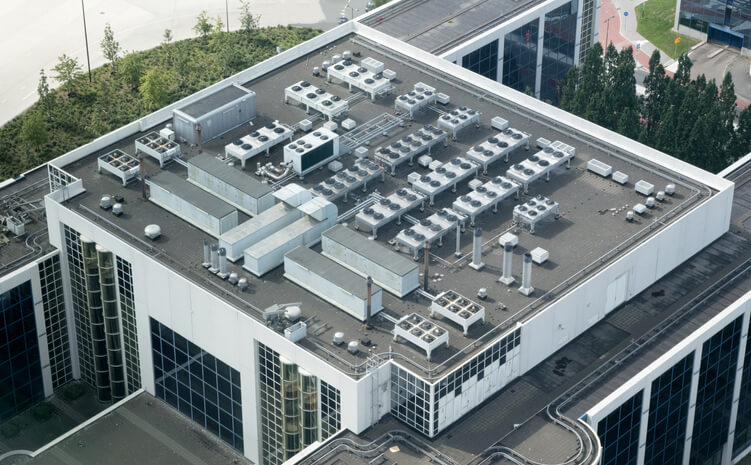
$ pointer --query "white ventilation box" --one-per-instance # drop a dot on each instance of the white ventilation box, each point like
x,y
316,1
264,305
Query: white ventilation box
x,y
539,255
640,209
435,164
508,238
442,98
317,208
620,177
542,142
413,177
475,183
167,133
425,161
349,124
330,125
296,331
306,125
372,65
335,166
596,166
361,152
389,74
644,188
499,123
293,195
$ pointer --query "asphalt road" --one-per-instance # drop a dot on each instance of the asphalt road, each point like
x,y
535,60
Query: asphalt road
x,y
36,32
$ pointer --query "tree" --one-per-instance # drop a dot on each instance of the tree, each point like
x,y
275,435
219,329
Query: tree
x,y
110,47
34,130
628,123
248,21
167,37
67,69
46,97
569,89
154,88
741,142
132,69
203,26
683,73
590,80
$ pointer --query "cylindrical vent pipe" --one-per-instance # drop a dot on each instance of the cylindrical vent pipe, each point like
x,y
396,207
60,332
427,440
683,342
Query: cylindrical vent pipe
x,y
458,252
526,287
477,250
427,267
222,261
206,256
508,255
214,257
369,284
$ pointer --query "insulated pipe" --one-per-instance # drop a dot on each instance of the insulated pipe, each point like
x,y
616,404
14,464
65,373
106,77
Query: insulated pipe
x,y
222,261
206,256
458,252
427,266
477,250
214,258
369,284
508,255
526,287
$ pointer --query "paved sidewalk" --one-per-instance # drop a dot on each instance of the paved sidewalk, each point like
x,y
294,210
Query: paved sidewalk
x,y
623,33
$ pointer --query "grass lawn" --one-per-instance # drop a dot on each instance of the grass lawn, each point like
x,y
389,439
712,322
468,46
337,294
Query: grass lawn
x,y
656,26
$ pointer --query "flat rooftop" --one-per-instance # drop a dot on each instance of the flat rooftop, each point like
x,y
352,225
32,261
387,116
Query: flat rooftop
x,y
24,199
514,418
143,431
437,26
590,232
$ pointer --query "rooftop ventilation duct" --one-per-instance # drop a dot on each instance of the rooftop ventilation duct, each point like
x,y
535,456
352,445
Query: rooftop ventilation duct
x,y
526,287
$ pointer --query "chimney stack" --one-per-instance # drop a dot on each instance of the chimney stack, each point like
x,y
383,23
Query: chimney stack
x,y
206,257
477,263
508,254
214,259
427,267
369,284
526,287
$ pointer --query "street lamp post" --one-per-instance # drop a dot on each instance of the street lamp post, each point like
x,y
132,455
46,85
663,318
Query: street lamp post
x,y
607,32
86,38
226,9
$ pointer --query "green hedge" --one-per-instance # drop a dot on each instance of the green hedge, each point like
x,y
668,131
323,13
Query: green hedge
x,y
79,112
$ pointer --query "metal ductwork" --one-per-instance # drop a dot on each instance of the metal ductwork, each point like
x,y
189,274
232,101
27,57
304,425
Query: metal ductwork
x,y
526,287
508,255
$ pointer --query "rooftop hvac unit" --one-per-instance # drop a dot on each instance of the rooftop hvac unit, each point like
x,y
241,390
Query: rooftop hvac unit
x,y
211,116
457,308
421,332
312,150
296,332
534,211
456,120
120,164
158,147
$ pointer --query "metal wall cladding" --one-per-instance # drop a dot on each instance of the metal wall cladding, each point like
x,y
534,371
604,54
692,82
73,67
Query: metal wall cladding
x,y
191,213
388,280
229,192
215,122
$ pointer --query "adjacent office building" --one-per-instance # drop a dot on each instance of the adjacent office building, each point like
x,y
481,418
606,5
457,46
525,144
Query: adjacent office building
x,y
519,259
527,45
723,21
